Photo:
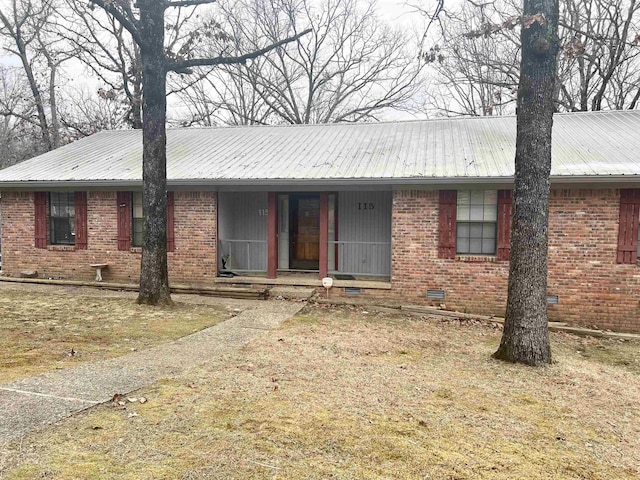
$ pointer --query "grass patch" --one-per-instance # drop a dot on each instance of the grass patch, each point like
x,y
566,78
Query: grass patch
x,y
337,393
612,352
39,330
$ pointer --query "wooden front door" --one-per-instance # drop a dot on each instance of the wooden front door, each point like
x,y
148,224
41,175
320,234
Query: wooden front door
x,y
305,231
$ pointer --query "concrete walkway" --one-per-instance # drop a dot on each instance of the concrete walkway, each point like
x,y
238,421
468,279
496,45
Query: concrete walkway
x,y
30,403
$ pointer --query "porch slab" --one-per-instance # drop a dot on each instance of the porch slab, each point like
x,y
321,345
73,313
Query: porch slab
x,y
302,281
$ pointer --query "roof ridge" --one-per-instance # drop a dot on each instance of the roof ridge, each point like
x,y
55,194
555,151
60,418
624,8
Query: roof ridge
x,y
400,122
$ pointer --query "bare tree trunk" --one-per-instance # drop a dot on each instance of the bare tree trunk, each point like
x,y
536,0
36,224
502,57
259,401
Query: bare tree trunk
x,y
136,114
526,333
147,31
154,276
55,123
37,97
135,96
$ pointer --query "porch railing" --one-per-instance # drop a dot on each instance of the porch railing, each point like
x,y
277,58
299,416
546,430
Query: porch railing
x,y
360,258
243,255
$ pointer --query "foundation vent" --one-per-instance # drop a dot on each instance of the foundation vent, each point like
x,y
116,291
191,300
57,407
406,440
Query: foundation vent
x,y
552,300
352,291
435,294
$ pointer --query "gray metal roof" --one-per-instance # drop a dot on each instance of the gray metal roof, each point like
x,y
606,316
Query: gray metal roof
x,y
587,146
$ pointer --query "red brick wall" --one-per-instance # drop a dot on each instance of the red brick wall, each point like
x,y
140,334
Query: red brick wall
x,y
194,260
593,289
583,239
475,285
583,229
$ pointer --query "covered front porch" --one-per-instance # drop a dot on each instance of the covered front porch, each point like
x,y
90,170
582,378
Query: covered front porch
x,y
301,237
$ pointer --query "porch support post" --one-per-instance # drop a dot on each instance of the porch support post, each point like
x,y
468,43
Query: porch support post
x,y
272,234
324,235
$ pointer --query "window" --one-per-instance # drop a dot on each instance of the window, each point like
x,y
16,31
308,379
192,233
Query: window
x,y
476,221
137,220
131,221
62,218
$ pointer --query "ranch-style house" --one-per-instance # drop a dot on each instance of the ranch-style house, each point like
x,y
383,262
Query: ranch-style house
x,y
416,211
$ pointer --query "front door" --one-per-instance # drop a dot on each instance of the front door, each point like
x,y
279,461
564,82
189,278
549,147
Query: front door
x,y
305,232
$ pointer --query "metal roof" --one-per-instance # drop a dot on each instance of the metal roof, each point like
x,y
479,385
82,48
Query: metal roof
x,y
592,146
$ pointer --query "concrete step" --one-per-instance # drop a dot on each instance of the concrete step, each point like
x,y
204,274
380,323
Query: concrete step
x,y
292,293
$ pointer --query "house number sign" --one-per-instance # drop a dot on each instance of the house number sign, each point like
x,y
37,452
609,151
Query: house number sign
x,y
366,206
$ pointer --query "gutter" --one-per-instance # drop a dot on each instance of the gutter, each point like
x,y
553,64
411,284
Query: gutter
x,y
323,182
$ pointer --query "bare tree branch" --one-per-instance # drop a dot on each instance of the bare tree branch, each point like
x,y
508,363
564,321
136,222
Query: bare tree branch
x,y
125,18
349,67
183,66
189,3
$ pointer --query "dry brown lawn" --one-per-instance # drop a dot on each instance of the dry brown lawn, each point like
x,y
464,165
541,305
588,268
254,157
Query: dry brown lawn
x,y
347,394
43,329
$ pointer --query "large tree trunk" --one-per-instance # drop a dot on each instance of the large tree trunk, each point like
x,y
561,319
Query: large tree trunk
x,y
526,333
154,277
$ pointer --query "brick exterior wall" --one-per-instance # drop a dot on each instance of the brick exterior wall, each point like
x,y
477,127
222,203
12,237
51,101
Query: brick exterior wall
x,y
583,239
593,289
193,262
475,284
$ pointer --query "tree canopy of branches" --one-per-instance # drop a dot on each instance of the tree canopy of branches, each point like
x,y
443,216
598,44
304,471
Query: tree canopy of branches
x,y
147,30
109,53
27,31
350,68
20,137
479,50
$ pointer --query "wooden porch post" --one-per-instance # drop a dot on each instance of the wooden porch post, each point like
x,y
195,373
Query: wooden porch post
x,y
272,234
324,235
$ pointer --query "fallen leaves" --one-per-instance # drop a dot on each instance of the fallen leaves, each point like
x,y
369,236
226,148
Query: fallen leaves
x,y
120,401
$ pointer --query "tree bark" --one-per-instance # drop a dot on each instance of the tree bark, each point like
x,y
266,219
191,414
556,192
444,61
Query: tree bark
x,y
154,275
526,333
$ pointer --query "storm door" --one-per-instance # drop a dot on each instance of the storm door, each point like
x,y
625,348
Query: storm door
x,y
304,213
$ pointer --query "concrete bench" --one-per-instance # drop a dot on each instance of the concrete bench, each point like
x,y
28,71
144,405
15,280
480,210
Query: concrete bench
x,y
99,267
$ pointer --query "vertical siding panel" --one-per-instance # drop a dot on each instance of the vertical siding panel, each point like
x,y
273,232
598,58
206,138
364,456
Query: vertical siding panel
x,y
323,254
243,216
272,234
357,222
